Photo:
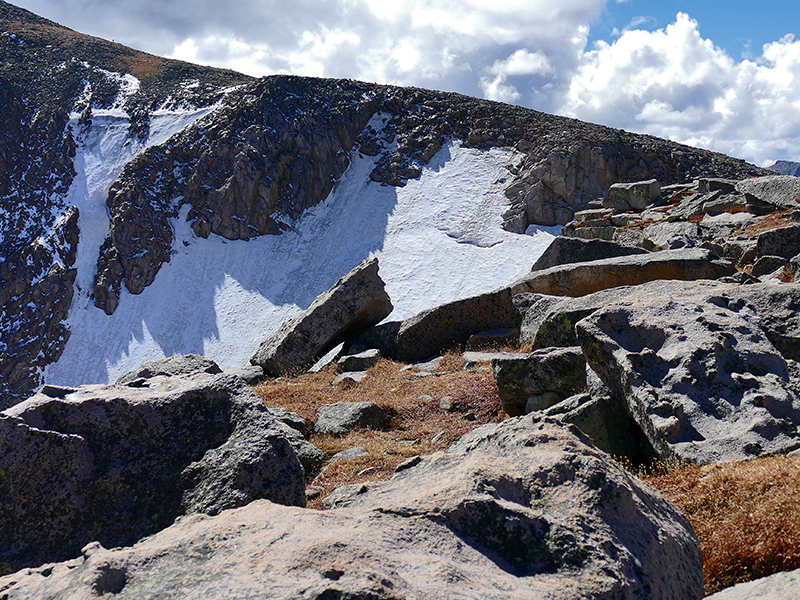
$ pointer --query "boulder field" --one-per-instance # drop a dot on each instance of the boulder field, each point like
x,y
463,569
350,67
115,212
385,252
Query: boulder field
x,y
662,325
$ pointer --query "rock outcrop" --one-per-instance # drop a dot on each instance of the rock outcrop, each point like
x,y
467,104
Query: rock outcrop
x,y
525,509
698,374
117,463
583,278
357,301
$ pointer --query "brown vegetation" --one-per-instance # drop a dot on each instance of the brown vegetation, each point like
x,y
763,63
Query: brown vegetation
x,y
744,513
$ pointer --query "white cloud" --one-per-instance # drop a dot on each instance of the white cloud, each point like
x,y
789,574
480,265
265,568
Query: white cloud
x,y
675,84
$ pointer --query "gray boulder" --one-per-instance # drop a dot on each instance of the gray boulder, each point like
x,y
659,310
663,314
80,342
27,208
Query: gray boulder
x,y
431,332
783,242
525,509
493,337
252,374
584,278
361,361
342,417
779,190
671,236
780,586
358,300
632,196
567,250
534,381
174,365
290,418
697,373
117,463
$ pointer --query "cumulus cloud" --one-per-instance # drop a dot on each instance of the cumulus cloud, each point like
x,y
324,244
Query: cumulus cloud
x,y
675,84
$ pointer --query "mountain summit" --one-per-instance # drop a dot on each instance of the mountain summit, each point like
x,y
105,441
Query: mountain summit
x,y
150,207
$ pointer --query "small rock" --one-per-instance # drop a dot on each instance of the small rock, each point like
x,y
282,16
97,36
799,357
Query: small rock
x,y
342,417
446,403
348,454
361,361
349,379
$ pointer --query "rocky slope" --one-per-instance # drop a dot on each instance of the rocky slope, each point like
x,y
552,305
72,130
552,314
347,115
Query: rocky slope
x,y
246,157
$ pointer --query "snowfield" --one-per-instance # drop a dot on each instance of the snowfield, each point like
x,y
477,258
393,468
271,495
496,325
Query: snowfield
x,y
437,239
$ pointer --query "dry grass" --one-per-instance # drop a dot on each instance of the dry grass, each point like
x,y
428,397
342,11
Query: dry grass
x,y
774,220
745,514
417,425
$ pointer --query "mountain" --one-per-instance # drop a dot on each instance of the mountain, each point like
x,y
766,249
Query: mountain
x,y
786,167
150,206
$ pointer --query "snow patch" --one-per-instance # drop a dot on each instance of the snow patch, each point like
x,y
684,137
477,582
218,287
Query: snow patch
x,y
438,239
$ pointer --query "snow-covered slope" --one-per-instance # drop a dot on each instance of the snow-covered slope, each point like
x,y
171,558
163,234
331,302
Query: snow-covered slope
x,y
438,239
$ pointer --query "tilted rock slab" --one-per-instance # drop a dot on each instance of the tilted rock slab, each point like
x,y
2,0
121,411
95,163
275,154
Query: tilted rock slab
x,y
778,190
580,279
567,250
356,301
522,510
116,463
437,329
698,373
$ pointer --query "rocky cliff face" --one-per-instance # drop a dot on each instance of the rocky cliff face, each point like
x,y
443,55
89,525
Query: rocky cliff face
x,y
269,150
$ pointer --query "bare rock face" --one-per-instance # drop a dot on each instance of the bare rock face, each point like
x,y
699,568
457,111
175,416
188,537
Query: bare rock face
x,y
697,372
780,586
358,300
35,295
525,509
566,250
580,279
116,463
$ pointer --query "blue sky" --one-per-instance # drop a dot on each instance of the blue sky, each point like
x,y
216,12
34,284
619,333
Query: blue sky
x,y
723,76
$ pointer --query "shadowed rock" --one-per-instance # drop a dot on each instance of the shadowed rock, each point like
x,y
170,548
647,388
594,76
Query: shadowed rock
x,y
567,250
358,300
520,510
116,463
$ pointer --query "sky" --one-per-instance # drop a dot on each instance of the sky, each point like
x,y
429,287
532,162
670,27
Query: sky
x,y
718,75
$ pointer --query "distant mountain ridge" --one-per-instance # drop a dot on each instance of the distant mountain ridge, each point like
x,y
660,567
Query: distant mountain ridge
x,y
104,146
786,167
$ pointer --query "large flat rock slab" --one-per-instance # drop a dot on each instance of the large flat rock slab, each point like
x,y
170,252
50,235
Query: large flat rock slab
x,y
580,279
780,586
525,509
116,463
698,373
358,300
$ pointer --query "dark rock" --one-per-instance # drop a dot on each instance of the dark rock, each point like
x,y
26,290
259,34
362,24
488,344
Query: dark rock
x,y
697,372
358,300
565,250
342,417
117,463
188,364
438,329
523,509
537,380
493,337
584,278
713,184
783,242
290,418
768,264
605,419
361,361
